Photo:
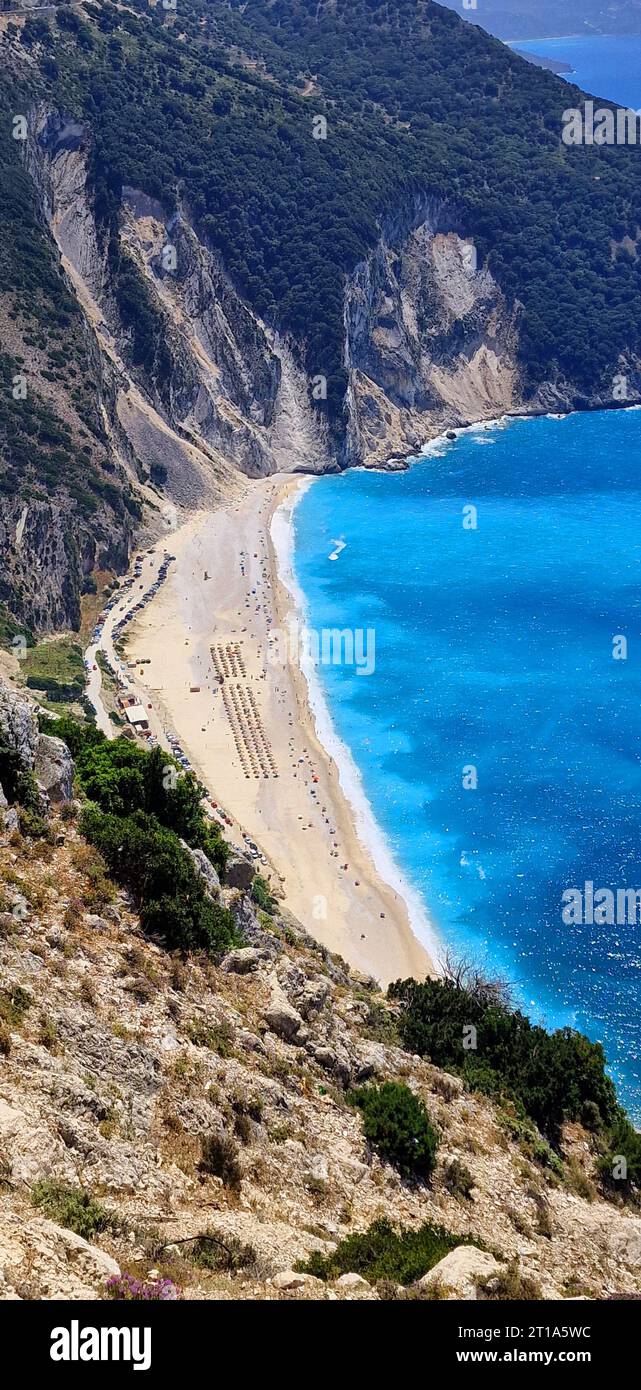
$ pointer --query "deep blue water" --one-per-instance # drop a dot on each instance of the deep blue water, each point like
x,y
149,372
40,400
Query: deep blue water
x,y
494,649
605,67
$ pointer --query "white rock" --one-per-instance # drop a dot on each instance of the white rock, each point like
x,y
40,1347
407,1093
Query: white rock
x,y
318,1170
282,1017
54,768
461,1271
352,1281
291,1279
241,961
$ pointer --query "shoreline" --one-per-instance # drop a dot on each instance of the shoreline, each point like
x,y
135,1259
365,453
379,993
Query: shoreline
x,y
207,603
224,600
370,833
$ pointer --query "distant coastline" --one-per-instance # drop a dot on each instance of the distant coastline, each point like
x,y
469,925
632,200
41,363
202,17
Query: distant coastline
x,y
539,61
605,64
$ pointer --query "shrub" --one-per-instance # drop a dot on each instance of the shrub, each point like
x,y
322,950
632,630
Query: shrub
x,y
14,1004
74,1208
551,1075
139,818
122,778
620,1166
32,824
385,1252
242,1127
220,1158
380,1023
149,859
458,1179
47,1033
218,1036
97,889
261,894
511,1284
397,1125
210,1251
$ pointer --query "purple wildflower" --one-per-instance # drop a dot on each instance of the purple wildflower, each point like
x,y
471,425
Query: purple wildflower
x,y
127,1287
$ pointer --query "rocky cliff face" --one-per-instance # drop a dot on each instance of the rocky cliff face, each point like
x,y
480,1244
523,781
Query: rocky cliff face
x,y
225,386
432,343
66,504
33,766
430,340
203,390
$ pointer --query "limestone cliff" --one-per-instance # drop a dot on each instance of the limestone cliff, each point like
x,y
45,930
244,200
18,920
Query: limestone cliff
x,y
432,343
190,388
430,340
226,386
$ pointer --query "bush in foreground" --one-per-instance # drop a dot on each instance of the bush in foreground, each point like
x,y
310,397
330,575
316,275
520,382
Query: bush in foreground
x,y
385,1252
397,1125
150,861
550,1077
73,1207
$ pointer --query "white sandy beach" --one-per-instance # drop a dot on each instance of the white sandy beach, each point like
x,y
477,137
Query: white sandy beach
x,y
252,738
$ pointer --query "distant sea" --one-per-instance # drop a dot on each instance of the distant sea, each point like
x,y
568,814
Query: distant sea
x,y
494,653
603,66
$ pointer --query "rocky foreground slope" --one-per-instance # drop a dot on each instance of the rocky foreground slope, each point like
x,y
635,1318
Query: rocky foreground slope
x,y
181,1098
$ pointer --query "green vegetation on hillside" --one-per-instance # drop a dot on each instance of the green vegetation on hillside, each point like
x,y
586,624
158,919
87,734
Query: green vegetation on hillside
x,y
56,667
140,809
54,453
38,447
215,110
73,1208
216,107
397,1125
121,777
466,1025
148,859
384,1252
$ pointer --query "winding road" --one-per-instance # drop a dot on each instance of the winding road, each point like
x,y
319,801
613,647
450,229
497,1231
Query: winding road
x,y
138,588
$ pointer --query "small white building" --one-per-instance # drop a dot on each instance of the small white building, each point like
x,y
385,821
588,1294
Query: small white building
x,y
136,714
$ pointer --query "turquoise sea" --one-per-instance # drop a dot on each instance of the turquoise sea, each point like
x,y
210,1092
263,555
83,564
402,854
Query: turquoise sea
x,y
494,653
